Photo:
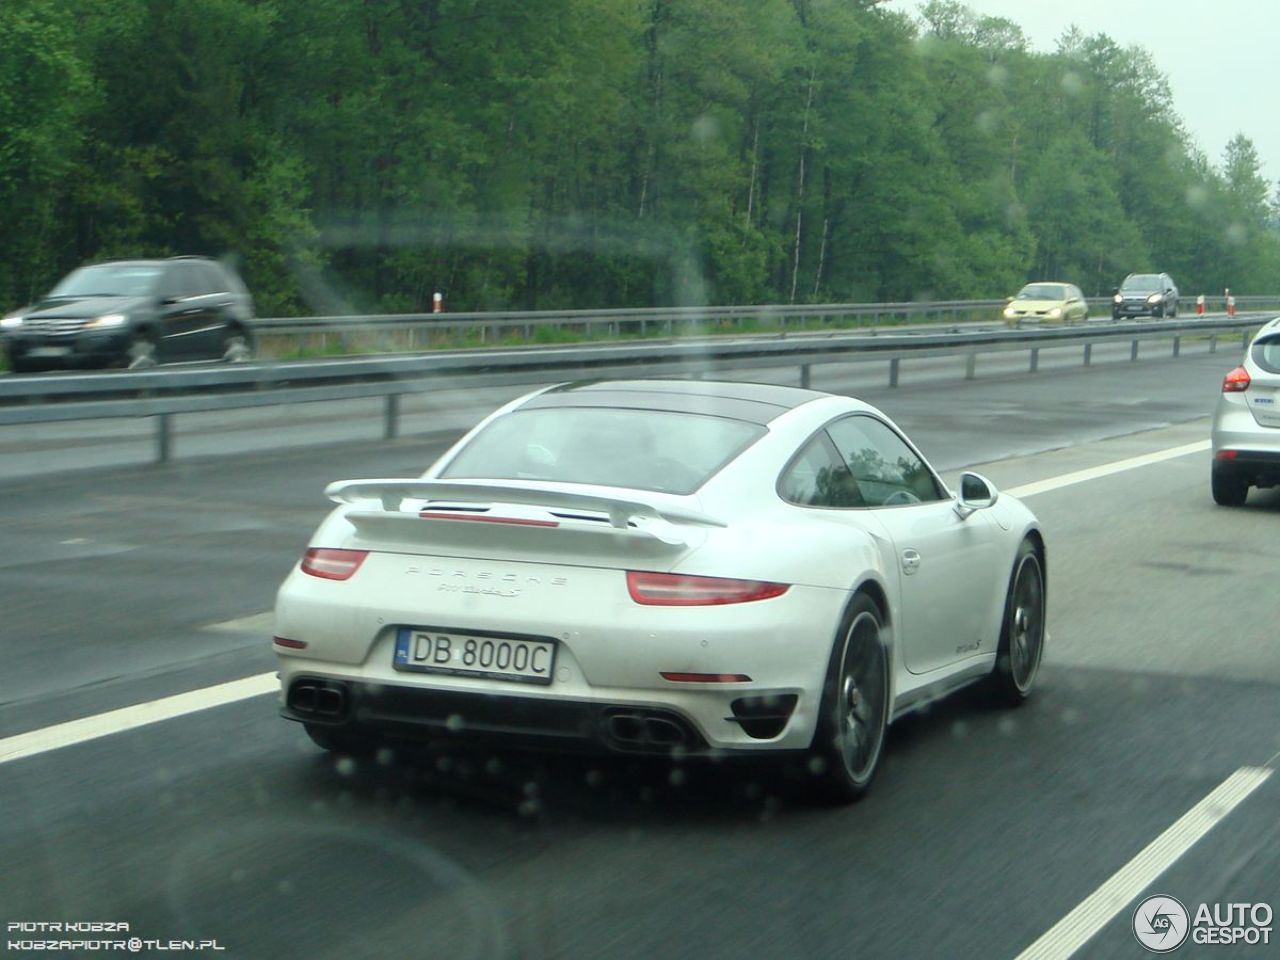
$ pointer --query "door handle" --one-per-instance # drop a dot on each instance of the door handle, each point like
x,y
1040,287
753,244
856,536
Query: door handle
x,y
910,561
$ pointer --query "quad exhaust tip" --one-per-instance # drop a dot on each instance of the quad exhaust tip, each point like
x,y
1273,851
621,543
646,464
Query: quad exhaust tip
x,y
328,701
646,730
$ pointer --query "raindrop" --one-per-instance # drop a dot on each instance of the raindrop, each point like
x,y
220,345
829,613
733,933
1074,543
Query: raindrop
x,y
998,75
817,765
1007,725
1236,234
705,128
1070,715
1197,196
530,808
285,887
345,766
677,777
531,788
1072,84
959,730
238,875
385,757
454,722
444,763
594,778
493,766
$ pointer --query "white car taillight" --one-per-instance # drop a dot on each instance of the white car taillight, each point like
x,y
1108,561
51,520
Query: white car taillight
x,y
330,564
1237,381
679,590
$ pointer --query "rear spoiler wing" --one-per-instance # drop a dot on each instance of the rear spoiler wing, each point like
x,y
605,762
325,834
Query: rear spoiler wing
x,y
620,511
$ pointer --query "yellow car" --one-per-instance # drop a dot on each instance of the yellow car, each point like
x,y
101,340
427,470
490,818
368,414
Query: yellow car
x,y
1043,301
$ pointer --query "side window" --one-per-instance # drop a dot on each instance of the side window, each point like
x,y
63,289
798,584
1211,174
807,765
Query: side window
x,y
886,470
171,286
213,280
194,281
817,477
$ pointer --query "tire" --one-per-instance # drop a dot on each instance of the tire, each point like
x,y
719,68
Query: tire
x,y
1158,312
237,346
141,352
854,715
1173,311
1022,631
1228,489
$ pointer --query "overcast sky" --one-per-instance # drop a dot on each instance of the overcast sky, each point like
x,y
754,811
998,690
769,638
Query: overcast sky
x,y
1219,56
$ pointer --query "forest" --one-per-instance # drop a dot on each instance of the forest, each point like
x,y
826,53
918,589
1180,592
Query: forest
x,y
359,155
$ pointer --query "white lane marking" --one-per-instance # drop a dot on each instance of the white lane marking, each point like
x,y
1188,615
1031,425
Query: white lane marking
x,y
139,715
254,623
1071,933
117,721
1107,469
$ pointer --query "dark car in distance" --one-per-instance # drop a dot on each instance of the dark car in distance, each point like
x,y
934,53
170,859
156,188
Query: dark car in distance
x,y
1145,294
133,313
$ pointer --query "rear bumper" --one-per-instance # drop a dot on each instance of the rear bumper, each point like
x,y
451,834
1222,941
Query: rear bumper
x,y
1255,467
510,721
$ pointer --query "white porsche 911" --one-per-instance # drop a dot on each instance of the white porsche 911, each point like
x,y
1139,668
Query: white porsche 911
x,y
668,567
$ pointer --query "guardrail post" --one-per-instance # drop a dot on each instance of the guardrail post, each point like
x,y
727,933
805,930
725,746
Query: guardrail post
x,y
970,365
1213,343
164,438
1177,345
893,372
1088,354
1244,340
804,376
1035,359
391,417
1133,351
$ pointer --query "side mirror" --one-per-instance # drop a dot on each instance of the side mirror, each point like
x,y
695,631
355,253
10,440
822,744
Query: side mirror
x,y
976,493
1008,299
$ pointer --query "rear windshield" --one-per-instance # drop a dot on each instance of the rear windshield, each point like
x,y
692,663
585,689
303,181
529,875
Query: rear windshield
x,y
1042,291
1266,353
638,449
1142,283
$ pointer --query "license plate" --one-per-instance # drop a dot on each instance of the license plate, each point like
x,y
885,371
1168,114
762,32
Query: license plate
x,y
49,352
422,650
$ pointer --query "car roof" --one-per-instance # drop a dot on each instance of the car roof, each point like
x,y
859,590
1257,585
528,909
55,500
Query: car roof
x,y
758,403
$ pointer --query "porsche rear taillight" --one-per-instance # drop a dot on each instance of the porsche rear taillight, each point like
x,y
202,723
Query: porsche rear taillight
x,y
331,564
1237,381
679,590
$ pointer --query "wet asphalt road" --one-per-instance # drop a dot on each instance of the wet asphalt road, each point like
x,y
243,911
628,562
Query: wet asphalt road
x,y
124,584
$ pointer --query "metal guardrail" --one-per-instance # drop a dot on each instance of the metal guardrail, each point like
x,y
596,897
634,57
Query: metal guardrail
x,y
673,320
165,393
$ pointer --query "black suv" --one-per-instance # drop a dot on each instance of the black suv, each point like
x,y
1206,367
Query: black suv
x,y
134,313
1145,294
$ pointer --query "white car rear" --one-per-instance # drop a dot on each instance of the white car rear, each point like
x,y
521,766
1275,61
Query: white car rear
x,y
670,567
